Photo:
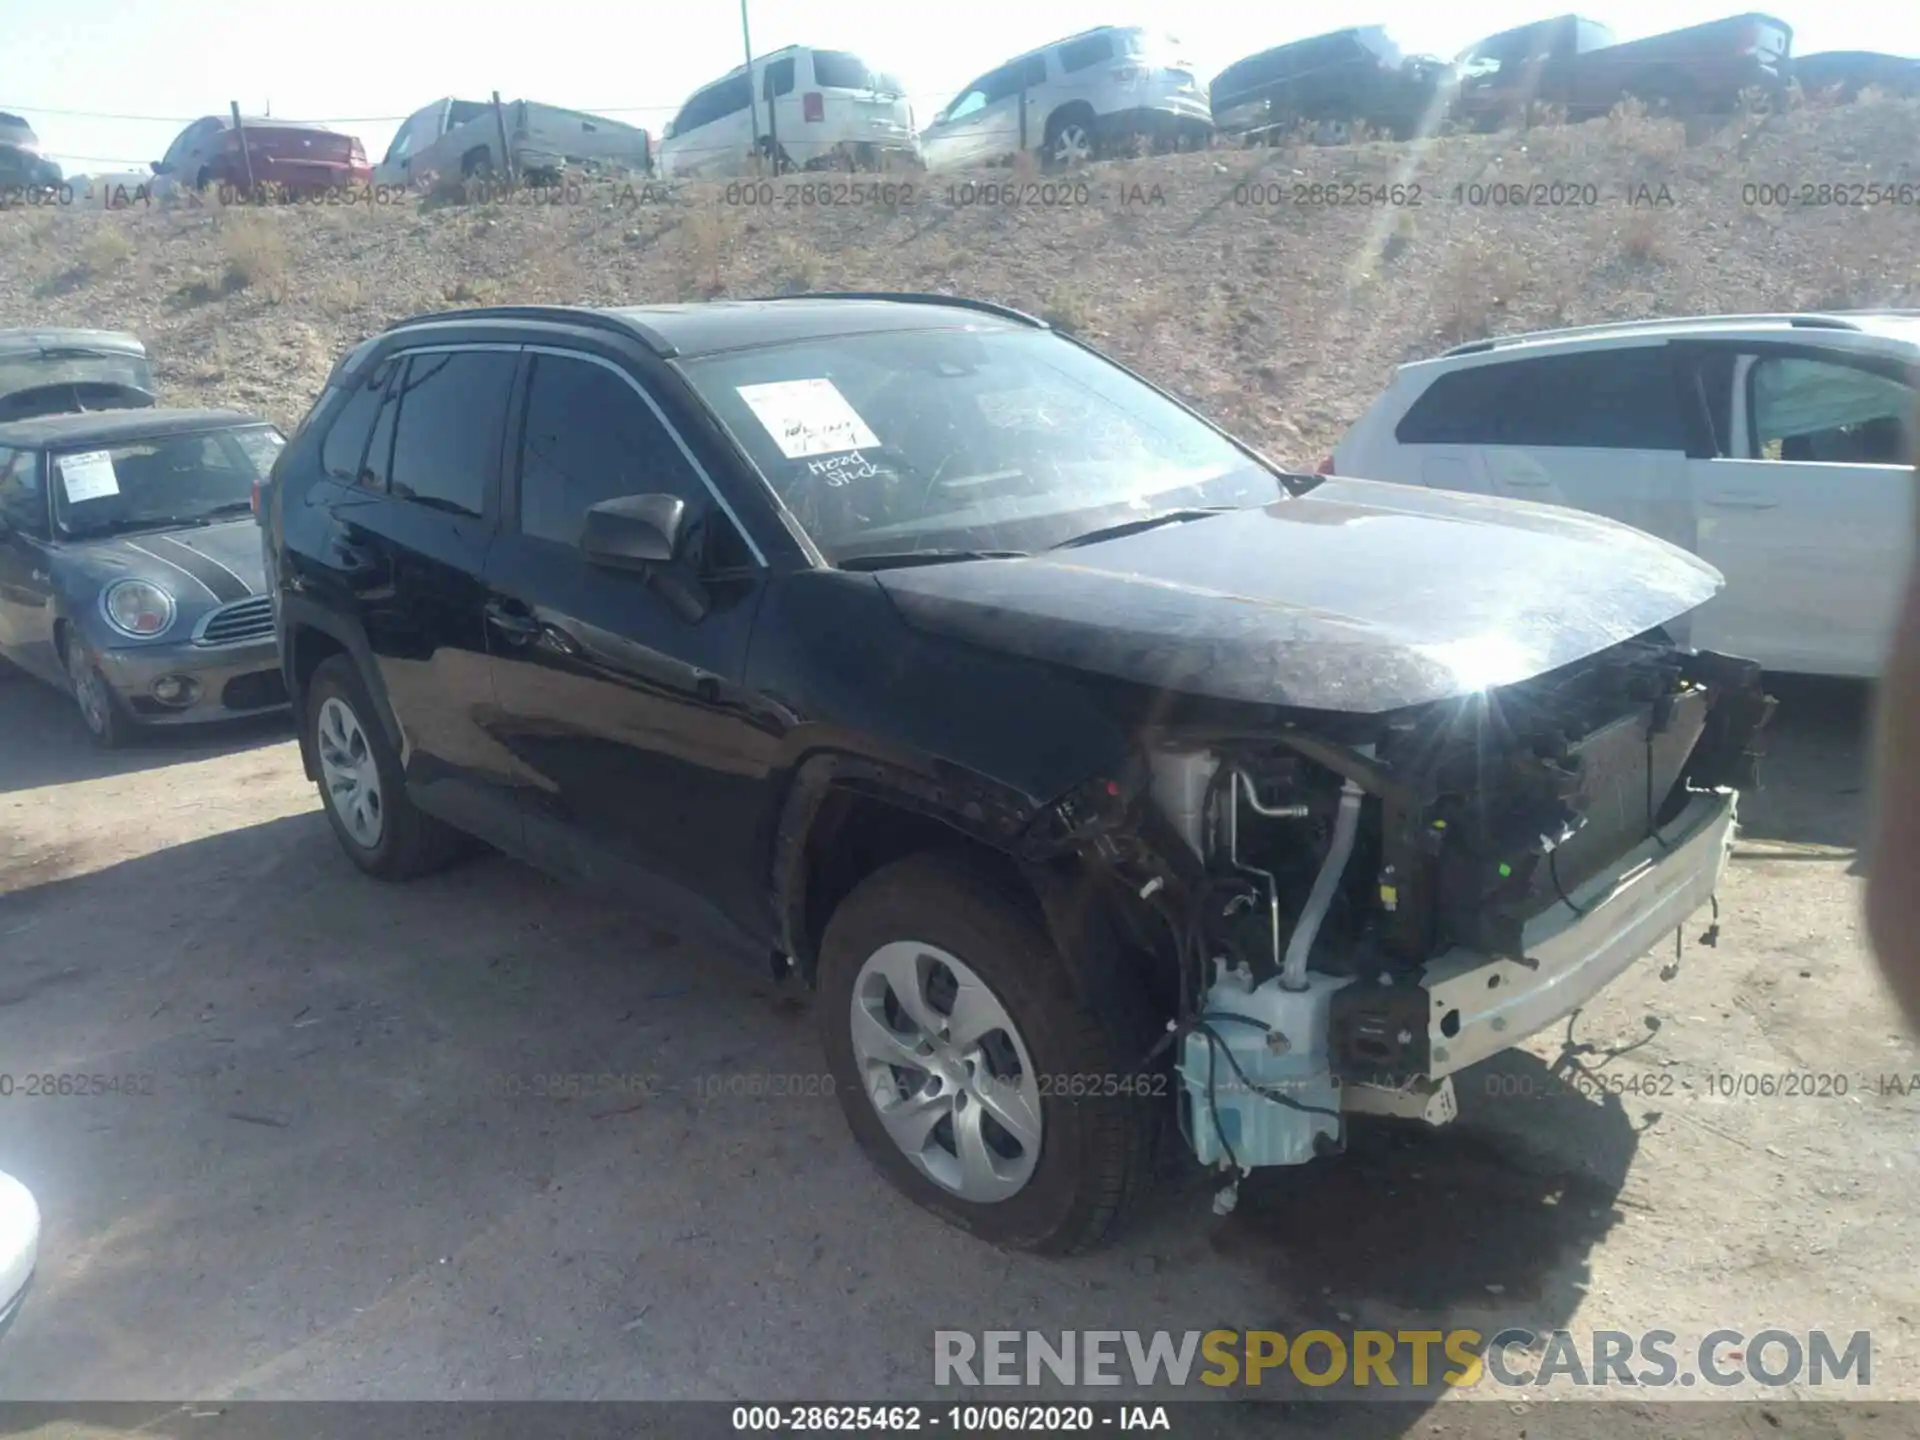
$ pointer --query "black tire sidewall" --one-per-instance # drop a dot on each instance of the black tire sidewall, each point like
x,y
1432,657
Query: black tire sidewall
x,y
1067,1204
116,728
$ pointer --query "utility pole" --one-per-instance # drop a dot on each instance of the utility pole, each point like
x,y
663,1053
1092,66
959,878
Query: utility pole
x,y
753,100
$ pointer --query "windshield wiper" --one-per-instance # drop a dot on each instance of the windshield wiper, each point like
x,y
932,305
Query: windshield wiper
x,y
1145,522
887,560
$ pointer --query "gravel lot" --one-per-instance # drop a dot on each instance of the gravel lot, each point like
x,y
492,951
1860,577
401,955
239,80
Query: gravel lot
x,y
326,1196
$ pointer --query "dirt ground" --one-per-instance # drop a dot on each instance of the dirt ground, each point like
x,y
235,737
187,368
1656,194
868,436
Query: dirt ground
x,y
327,1195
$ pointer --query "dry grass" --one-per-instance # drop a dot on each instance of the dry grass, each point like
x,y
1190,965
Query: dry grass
x,y
106,249
256,253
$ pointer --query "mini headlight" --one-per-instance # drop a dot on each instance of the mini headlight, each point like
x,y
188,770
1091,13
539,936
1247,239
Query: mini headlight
x,y
138,608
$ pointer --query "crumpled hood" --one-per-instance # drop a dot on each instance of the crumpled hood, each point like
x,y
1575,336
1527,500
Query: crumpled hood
x,y
200,567
1358,597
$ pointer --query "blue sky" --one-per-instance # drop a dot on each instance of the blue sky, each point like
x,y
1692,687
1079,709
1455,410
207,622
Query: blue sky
x,y
366,63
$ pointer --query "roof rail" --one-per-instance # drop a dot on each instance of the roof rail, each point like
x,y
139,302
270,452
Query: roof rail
x,y
592,318
1823,320
913,297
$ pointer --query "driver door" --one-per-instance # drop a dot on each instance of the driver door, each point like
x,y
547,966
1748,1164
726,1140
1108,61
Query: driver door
x,y
981,126
639,753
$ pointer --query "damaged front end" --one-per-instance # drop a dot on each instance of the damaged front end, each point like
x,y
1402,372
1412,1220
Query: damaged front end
x,y
1357,906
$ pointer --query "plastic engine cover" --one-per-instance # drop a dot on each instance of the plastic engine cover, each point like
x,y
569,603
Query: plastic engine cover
x,y
1278,1038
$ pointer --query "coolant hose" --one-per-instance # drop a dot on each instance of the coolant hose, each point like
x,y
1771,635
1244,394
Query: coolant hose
x,y
1293,973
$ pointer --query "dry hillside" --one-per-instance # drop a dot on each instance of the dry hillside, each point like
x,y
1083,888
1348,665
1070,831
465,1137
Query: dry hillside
x,y
1280,315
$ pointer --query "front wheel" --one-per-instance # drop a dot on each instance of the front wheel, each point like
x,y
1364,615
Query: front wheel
x,y
1070,141
971,1071
101,711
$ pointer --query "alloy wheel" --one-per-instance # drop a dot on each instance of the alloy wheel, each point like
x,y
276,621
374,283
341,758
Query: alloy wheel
x,y
946,1070
89,691
1073,144
348,773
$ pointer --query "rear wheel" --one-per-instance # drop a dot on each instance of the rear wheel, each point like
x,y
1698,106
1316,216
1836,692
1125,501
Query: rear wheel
x,y
971,1071
362,788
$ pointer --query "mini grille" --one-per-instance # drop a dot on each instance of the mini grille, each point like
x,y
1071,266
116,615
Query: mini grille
x,y
250,619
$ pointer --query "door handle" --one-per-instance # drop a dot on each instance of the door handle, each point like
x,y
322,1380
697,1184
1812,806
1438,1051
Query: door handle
x,y
1743,501
511,622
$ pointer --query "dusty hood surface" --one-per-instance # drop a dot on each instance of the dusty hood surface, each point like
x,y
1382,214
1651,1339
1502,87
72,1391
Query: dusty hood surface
x,y
1358,597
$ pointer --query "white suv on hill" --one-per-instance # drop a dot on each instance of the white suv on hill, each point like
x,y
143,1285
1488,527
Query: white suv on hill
x,y
1075,100
1776,447
815,110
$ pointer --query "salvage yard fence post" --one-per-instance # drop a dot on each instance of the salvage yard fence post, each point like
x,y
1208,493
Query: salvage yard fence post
x,y
506,150
246,154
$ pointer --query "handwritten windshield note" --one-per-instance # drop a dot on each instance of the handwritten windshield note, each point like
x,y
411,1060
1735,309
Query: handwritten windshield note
x,y
808,417
89,476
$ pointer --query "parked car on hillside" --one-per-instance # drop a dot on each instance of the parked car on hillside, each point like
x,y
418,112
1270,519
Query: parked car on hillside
x,y
279,154
1013,704
465,138
1102,92
1577,63
51,371
1845,73
816,109
23,168
1334,82
130,565
1775,447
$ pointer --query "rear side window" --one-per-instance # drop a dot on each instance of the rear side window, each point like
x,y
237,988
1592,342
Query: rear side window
x,y
779,78
1619,399
589,437
837,70
1079,54
446,434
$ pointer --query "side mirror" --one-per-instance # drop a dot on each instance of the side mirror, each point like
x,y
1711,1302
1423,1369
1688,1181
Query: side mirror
x,y
160,167
634,532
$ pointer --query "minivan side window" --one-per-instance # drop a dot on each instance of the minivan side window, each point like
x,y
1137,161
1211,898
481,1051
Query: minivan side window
x,y
779,77
837,70
1079,54
1614,399
716,102
446,436
587,437
1816,410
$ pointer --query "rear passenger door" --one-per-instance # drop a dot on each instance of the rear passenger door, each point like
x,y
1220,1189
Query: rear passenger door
x,y
1805,504
639,748
413,510
1601,429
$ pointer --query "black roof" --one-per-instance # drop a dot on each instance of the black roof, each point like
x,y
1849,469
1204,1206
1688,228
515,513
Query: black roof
x,y
34,339
114,427
704,329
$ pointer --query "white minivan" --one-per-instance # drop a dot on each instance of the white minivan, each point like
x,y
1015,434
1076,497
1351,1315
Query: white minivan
x,y
1775,447
816,110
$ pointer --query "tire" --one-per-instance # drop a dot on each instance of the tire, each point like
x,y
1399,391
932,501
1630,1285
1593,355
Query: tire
x,y
108,724
404,843
1070,140
1093,1156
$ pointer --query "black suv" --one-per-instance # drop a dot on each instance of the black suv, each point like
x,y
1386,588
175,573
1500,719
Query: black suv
x,y
1081,758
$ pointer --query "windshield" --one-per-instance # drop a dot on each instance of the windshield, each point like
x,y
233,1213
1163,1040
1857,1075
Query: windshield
x,y
34,370
166,480
919,441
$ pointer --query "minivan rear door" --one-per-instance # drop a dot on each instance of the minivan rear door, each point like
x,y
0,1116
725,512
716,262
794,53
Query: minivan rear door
x,y
856,105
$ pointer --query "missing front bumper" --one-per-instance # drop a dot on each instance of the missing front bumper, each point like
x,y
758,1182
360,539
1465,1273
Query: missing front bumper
x,y
1479,1006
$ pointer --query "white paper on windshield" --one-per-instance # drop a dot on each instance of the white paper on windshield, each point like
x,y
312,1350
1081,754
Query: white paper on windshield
x,y
89,476
808,417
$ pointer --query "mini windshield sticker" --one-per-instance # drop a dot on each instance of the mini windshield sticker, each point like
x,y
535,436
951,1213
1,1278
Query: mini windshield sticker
x,y
89,476
808,417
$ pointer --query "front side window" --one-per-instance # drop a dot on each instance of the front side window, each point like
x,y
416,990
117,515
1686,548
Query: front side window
x,y
344,446
1816,410
23,499
446,429
943,439
588,437
164,481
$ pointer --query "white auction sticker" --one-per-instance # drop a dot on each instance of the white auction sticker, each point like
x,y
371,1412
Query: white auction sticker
x,y
808,417
89,476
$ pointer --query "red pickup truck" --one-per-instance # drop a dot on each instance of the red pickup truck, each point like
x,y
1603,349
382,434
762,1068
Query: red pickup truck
x,y
1577,63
